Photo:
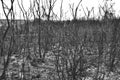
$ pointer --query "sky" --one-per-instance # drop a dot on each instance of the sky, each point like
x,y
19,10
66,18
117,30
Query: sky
x,y
66,8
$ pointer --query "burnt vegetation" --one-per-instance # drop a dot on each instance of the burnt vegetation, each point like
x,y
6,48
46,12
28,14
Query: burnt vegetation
x,y
49,48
